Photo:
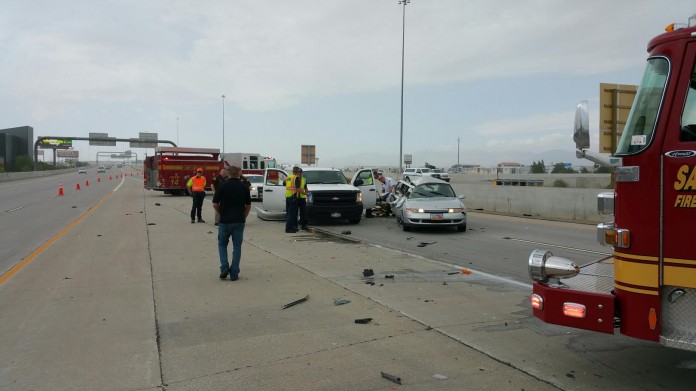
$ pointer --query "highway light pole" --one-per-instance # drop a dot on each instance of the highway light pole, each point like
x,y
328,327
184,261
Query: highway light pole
x,y
403,41
223,124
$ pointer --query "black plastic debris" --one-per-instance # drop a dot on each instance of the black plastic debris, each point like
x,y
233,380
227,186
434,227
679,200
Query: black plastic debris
x,y
453,273
368,273
302,300
389,276
423,244
74,207
157,203
346,232
370,282
363,320
391,378
151,224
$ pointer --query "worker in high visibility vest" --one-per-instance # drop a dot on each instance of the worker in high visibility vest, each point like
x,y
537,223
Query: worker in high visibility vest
x,y
295,199
370,181
196,188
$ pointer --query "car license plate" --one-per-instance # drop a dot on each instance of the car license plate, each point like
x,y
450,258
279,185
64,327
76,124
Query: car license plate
x,y
336,215
436,216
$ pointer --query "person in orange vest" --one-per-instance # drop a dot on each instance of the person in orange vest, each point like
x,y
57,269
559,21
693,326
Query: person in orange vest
x,y
196,188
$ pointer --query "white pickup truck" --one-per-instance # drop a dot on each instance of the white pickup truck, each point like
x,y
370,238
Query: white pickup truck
x,y
414,173
331,196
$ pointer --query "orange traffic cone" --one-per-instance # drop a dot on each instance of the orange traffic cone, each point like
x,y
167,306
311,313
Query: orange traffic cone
x,y
86,182
109,177
77,187
60,189
98,179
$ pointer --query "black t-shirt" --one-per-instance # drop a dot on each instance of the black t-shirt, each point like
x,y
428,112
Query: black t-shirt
x,y
233,196
217,180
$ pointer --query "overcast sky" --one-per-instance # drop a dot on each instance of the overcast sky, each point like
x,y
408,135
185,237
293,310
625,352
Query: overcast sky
x,y
503,77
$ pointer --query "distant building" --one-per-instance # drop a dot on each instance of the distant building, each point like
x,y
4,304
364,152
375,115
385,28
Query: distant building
x,y
464,168
16,142
512,168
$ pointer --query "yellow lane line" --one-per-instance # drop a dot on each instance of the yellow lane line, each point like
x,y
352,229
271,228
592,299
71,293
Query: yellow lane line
x,y
16,268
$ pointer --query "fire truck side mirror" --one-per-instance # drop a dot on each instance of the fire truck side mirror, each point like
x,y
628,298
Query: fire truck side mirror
x,y
581,132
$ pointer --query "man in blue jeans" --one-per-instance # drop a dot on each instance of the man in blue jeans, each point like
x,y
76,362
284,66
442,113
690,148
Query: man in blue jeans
x,y
233,201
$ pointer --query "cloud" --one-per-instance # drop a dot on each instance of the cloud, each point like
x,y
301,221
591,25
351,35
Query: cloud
x,y
308,66
273,54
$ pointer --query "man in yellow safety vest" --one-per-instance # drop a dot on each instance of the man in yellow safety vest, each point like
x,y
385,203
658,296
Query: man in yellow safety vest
x,y
295,199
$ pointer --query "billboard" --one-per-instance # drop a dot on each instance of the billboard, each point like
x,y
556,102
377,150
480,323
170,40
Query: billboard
x,y
308,154
69,153
55,143
615,101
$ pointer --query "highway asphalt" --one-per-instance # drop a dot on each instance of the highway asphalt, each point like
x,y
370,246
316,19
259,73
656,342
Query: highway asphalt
x,y
129,299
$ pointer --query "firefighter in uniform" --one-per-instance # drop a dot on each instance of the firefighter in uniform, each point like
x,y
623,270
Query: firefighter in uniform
x,y
196,187
295,198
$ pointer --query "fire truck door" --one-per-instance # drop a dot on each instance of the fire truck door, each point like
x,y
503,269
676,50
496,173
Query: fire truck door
x,y
679,162
273,194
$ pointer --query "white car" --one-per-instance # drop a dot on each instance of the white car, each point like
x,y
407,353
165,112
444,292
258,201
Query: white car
x,y
256,185
439,173
412,174
82,171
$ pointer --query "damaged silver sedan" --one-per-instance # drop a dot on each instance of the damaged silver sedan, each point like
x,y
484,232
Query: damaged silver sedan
x,y
428,202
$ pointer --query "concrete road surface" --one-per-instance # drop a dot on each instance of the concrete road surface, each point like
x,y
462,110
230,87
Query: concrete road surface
x,y
130,299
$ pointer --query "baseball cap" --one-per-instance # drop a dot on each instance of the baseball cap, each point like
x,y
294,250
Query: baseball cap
x,y
199,169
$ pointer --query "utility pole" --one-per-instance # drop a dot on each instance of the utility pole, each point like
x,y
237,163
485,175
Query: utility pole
x,y
403,46
223,125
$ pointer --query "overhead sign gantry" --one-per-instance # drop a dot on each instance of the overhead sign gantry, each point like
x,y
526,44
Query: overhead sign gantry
x,y
62,142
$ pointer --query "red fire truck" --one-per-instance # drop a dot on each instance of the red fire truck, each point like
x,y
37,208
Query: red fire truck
x,y
250,163
170,167
647,289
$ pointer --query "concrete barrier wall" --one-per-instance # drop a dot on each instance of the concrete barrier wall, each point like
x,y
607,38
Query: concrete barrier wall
x,y
13,176
568,204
